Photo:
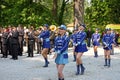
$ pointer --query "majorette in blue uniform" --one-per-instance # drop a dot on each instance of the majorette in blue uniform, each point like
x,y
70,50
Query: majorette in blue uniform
x,y
113,43
107,41
72,38
80,48
95,40
61,50
44,36
107,45
80,44
113,34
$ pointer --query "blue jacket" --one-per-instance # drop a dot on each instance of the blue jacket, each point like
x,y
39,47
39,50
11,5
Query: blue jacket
x,y
95,37
107,40
72,37
61,44
113,34
80,37
45,36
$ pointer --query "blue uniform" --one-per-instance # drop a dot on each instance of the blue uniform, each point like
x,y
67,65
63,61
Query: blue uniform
x,y
45,36
95,39
113,34
61,49
73,37
80,42
107,41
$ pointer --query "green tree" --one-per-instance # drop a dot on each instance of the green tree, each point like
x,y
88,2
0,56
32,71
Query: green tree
x,y
35,12
102,12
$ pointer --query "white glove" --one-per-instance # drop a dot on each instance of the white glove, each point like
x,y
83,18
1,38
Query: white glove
x,y
0,34
58,52
41,39
76,44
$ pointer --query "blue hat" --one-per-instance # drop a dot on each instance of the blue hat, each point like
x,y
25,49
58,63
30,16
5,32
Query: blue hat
x,y
46,25
63,27
108,29
83,25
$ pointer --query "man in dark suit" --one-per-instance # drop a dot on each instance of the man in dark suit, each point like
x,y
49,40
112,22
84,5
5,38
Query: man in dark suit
x,y
9,40
15,43
38,41
4,39
20,38
31,40
89,35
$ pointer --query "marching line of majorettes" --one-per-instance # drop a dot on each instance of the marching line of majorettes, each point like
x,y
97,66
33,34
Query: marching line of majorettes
x,y
12,40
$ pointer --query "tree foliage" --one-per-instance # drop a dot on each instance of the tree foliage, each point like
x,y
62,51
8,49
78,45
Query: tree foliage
x,y
102,12
34,12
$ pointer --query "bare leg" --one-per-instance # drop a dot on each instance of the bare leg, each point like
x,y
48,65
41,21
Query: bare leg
x,y
79,64
44,54
95,51
78,58
60,71
109,59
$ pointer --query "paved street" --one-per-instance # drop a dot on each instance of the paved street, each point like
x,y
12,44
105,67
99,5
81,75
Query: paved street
x,y
31,68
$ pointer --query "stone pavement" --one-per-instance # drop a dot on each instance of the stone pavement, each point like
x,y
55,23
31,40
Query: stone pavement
x,y
31,68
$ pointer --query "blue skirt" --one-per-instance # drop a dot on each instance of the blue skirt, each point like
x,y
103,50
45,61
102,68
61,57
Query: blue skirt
x,y
106,48
61,58
46,44
95,43
81,48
